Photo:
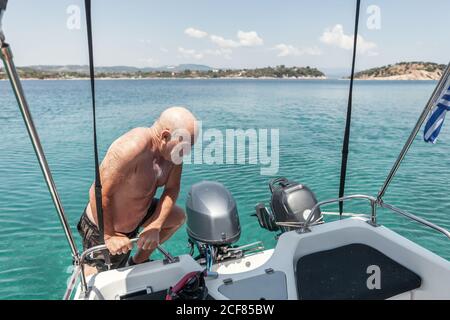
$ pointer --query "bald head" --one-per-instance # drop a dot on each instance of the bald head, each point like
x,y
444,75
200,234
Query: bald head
x,y
177,130
175,119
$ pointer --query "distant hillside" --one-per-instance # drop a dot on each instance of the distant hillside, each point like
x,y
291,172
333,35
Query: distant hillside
x,y
183,67
118,69
282,72
404,71
184,71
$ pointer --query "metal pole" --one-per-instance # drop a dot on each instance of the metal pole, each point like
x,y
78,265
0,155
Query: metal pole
x,y
305,226
431,103
415,218
348,120
3,4
7,58
2,36
165,253
373,213
71,283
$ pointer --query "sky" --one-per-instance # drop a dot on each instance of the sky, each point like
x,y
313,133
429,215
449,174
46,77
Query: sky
x,y
229,34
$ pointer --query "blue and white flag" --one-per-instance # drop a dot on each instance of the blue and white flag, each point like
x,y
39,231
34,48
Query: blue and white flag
x,y
436,119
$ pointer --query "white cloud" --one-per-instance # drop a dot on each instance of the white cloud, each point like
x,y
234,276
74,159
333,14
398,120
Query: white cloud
x,y
224,43
195,33
249,39
245,39
336,36
286,50
222,52
190,53
194,54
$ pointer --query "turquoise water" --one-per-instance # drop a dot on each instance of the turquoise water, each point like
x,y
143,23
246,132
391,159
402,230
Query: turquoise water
x,y
34,256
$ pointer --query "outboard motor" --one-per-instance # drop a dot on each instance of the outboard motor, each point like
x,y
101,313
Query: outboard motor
x,y
212,221
291,204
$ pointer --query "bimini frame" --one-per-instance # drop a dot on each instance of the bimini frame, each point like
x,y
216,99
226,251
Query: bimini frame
x,y
78,259
7,57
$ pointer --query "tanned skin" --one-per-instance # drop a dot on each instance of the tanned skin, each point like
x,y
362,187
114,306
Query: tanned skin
x,y
135,165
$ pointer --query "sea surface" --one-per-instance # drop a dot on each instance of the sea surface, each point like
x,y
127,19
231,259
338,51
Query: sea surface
x,y
310,116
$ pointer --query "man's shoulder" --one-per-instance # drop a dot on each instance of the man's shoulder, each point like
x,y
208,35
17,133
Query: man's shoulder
x,y
134,141
139,133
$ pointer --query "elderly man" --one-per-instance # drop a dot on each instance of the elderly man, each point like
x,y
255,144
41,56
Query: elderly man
x,y
135,166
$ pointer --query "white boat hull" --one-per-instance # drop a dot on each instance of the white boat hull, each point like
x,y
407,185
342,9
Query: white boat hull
x,y
272,274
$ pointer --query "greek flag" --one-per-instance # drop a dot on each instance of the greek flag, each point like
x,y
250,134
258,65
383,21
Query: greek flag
x,y
436,118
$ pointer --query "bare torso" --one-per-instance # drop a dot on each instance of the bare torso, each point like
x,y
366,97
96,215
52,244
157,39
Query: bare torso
x,y
140,175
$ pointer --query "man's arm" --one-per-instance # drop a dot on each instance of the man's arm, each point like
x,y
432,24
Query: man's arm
x,y
149,238
119,160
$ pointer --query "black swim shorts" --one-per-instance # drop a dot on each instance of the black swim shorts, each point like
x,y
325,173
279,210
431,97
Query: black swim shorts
x,y
91,238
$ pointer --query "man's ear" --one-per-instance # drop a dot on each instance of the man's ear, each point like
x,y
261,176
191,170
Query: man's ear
x,y
166,136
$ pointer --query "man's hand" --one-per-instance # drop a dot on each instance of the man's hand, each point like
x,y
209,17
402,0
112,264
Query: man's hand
x,y
118,244
149,238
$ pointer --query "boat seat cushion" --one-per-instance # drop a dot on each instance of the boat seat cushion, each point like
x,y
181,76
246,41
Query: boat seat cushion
x,y
351,272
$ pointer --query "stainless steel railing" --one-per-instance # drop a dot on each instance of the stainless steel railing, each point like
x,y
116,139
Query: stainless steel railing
x,y
374,203
415,218
79,267
102,247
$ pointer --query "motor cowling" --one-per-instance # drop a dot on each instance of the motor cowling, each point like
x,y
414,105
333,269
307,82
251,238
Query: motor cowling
x,y
292,202
212,216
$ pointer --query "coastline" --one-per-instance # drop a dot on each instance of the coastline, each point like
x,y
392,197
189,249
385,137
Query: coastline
x,y
173,78
224,78
228,78
402,71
